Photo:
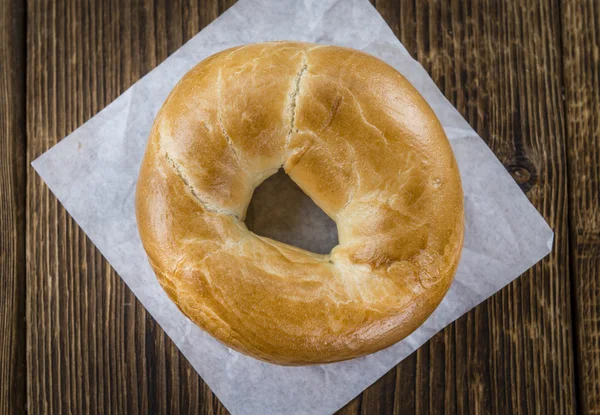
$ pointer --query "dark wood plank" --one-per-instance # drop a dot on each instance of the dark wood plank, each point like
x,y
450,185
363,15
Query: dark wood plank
x,y
92,348
12,207
581,72
499,63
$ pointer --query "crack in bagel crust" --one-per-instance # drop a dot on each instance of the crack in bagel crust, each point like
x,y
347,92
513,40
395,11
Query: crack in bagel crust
x,y
361,142
179,171
294,96
220,119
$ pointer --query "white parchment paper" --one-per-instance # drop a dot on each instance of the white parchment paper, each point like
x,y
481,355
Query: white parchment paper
x,y
93,173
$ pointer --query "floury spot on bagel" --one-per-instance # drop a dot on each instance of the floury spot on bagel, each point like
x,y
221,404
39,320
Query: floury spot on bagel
x,y
358,139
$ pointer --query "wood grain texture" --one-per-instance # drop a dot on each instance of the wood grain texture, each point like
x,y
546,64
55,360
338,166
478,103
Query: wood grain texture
x,y
12,207
581,73
93,348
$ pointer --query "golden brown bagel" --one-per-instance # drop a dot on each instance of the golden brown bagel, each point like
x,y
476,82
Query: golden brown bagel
x,y
361,142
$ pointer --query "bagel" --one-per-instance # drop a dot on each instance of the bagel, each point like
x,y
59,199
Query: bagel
x,y
359,140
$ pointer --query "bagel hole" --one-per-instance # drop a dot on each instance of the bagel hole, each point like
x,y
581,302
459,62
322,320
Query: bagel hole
x,y
280,210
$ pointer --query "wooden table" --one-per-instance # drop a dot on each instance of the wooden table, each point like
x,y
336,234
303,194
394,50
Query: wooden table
x,y
524,73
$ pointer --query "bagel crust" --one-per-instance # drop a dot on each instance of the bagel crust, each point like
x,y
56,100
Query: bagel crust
x,y
359,140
